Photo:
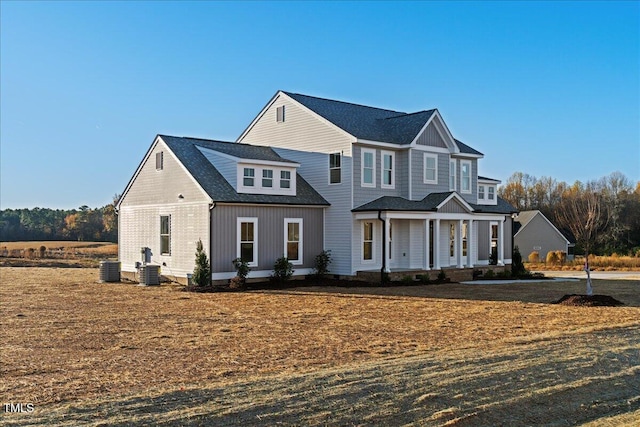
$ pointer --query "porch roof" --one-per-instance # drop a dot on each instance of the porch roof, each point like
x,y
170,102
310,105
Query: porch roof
x,y
430,203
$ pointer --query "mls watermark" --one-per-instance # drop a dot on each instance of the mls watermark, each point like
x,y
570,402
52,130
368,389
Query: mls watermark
x,y
19,408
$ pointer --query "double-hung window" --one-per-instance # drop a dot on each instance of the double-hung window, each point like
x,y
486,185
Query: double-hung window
x,y
335,168
247,248
293,240
452,175
367,241
267,178
388,176
285,179
248,177
165,234
465,172
492,193
430,168
368,167
480,192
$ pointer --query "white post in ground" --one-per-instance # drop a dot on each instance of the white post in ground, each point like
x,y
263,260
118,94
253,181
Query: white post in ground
x,y
426,244
501,242
436,244
459,242
470,245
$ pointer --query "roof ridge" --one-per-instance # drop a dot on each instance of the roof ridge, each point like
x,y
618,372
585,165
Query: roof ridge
x,y
409,114
344,102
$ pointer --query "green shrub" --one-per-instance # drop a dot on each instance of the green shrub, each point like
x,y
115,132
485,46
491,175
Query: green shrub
x,y
322,262
242,271
517,267
504,274
282,270
442,276
489,274
423,279
202,270
406,279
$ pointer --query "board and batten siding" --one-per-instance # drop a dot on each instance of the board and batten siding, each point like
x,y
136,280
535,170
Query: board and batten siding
x,y
314,168
301,130
430,137
453,206
484,241
152,187
224,235
139,226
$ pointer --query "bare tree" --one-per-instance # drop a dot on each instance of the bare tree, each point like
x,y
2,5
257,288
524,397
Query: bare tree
x,y
584,212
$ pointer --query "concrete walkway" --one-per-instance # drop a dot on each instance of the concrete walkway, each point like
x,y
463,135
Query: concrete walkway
x,y
604,275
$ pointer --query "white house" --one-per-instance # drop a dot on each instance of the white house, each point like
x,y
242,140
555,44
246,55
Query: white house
x,y
382,190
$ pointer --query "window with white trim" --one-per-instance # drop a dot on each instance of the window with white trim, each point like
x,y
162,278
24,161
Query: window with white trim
x,y
165,234
285,179
465,176
492,193
452,240
368,167
247,248
367,241
480,192
388,174
293,240
452,175
280,114
267,178
464,239
430,168
335,168
248,177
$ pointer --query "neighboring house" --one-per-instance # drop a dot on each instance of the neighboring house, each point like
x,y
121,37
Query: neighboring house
x,y
534,232
380,189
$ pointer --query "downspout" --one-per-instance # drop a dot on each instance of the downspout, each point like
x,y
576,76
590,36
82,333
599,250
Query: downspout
x,y
384,248
212,206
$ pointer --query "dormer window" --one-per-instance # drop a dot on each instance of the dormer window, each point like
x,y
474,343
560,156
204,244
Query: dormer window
x,y
492,193
280,114
267,178
481,192
285,179
249,175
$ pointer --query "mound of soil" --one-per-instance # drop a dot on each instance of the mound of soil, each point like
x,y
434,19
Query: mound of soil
x,y
589,301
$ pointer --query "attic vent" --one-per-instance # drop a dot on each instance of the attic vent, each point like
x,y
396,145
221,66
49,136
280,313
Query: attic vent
x,y
280,114
159,161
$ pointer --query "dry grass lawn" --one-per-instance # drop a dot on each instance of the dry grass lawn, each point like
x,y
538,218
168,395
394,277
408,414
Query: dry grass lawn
x,y
104,354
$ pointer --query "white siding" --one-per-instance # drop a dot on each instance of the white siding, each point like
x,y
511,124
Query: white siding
x,y
358,263
228,168
139,226
152,187
314,168
417,240
401,244
445,259
301,130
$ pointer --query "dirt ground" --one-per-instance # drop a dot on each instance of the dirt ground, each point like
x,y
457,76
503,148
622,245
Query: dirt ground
x,y
88,353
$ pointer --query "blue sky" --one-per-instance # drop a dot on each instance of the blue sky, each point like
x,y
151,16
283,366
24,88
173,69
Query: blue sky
x,y
545,88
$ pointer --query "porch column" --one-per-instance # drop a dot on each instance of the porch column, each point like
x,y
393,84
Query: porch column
x,y
459,241
436,244
387,226
501,242
470,245
426,244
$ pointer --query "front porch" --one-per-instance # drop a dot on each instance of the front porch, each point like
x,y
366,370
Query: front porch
x,y
452,273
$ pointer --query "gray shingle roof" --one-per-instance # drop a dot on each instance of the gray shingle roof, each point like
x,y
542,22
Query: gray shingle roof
x,y
464,148
375,124
488,179
219,188
429,203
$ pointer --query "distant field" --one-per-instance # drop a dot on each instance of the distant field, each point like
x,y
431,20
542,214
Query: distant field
x,y
36,253
103,354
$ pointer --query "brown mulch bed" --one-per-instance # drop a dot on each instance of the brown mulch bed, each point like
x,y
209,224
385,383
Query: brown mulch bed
x,y
589,301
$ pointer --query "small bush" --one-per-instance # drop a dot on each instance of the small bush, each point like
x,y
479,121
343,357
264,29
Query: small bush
x,y
504,274
423,279
282,270
322,262
489,274
517,267
442,276
242,271
534,257
406,279
552,258
202,270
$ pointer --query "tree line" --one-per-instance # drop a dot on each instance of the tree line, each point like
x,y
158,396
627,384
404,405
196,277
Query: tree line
x,y
84,224
602,216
